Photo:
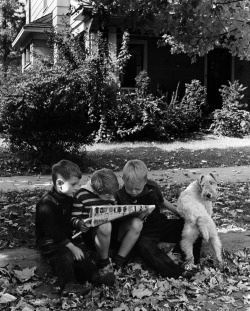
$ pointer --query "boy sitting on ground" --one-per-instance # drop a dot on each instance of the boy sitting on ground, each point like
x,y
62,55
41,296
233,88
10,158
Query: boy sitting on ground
x,y
53,233
100,191
138,189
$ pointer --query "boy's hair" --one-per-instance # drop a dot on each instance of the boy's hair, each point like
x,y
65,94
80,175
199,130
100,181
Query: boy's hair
x,y
66,169
135,170
104,181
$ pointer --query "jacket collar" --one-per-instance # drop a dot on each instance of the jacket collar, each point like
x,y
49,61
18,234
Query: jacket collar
x,y
59,197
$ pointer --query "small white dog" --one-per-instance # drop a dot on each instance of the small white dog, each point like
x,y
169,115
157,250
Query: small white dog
x,y
195,207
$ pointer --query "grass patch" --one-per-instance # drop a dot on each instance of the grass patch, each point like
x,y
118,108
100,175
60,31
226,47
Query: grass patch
x,y
198,152
201,151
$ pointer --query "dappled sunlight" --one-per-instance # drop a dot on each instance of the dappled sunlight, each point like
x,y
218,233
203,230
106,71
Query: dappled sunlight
x,y
204,142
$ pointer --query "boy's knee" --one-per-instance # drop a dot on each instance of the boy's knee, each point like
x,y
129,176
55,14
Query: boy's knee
x,y
104,229
136,225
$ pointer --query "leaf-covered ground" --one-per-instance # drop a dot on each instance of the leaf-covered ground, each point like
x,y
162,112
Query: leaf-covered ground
x,y
137,289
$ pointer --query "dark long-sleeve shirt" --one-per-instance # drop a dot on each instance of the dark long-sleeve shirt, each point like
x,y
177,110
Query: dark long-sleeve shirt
x,y
151,194
53,213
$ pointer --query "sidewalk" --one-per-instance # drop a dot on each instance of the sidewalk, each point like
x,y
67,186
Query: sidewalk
x,y
223,174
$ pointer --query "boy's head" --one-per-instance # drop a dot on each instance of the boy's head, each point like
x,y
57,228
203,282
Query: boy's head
x,y
134,176
104,182
66,176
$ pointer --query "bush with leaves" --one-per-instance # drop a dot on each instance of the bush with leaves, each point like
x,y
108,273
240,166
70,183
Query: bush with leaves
x,y
233,119
46,115
144,116
53,111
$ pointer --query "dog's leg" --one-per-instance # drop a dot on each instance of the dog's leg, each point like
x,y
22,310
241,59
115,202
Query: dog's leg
x,y
203,228
189,235
216,244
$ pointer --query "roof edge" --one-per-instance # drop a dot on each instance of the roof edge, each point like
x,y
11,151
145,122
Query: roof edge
x,y
29,29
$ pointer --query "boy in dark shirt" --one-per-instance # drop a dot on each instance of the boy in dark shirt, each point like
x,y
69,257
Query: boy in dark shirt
x,y
157,228
53,233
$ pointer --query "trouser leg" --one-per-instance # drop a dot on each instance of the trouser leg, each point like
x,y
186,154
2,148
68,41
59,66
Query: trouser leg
x,y
62,263
164,230
69,270
157,259
197,250
172,233
85,270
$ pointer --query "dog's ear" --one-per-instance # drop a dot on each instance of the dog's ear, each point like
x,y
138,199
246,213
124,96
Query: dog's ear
x,y
213,176
200,178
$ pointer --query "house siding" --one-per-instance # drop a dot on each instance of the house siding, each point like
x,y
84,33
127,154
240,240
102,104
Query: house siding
x,y
36,9
58,8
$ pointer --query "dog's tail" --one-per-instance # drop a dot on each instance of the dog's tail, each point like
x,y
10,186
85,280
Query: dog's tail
x,y
202,225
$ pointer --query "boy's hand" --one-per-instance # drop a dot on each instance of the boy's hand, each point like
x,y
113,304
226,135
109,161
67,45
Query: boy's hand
x,y
143,215
76,251
82,226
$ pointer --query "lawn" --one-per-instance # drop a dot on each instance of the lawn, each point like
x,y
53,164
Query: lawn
x,y
139,289
200,151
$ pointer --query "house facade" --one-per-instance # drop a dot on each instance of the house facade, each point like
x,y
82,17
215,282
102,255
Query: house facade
x,y
167,71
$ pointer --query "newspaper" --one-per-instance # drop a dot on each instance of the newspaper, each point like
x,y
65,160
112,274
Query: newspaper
x,y
100,214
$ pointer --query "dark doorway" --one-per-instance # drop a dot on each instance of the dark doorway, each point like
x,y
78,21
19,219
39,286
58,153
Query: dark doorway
x,y
218,73
134,65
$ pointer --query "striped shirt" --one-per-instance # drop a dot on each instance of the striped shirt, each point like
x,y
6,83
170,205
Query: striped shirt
x,y
85,198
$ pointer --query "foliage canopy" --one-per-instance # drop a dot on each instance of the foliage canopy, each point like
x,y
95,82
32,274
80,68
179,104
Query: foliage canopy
x,y
191,26
11,21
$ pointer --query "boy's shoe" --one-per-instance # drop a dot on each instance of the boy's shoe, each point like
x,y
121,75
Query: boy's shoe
x,y
75,288
105,273
119,262
188,274
108,269
105,266
107,278
166,247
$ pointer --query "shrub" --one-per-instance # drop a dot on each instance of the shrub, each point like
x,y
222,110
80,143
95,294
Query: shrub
x,y
144,116
46,115
139,118
52,112
232,120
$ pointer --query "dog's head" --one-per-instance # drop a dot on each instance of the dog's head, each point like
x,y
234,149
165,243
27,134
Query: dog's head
x,y
208,184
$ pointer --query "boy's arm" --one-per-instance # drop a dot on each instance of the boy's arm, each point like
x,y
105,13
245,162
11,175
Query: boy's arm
x,y
171,207
76,251
47,220
79,213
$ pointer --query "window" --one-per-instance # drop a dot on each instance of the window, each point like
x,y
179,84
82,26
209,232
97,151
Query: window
x,y
27,56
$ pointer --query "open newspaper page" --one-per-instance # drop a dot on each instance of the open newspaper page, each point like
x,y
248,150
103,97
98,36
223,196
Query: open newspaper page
x,y
105,213
100,214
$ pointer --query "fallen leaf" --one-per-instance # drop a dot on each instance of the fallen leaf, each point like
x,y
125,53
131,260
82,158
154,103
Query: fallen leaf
x,y
138,293
25,274
5,298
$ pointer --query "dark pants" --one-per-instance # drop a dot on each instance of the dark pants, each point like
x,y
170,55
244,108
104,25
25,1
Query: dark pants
x,y
66,268
162,229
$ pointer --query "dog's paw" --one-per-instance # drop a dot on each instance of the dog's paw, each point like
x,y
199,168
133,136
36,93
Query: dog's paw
x,y
189,265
